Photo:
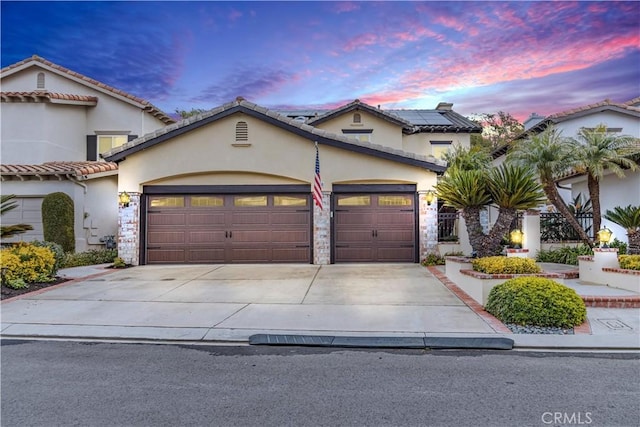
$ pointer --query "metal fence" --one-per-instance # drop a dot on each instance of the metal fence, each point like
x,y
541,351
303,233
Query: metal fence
x,y
448,226
555,228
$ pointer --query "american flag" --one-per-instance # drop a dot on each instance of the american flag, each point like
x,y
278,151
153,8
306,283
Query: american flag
x,y
317,183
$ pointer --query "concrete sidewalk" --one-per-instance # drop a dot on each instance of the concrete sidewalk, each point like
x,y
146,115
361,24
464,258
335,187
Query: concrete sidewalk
x,y
214,303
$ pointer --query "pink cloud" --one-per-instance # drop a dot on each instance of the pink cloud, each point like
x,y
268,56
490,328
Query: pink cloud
x,y
234,15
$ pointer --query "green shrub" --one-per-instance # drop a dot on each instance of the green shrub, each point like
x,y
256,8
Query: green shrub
x,y
621,246
536,301
435,259
58,220
25,263
58,253
91,257
505,265
119,263
564,255
629,262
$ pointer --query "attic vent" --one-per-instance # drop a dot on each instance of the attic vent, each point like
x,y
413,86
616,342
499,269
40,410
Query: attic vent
x,y
357,118
40,81
242,132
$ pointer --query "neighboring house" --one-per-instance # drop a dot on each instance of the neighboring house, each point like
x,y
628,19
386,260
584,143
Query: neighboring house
x,y
621,119
235,184
55,124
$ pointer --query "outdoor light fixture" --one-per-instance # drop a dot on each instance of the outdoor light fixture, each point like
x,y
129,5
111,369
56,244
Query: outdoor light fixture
x,y
604,236
429,196
124,199
516,237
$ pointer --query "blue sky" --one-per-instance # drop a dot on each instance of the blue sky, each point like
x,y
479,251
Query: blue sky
x,y
519,57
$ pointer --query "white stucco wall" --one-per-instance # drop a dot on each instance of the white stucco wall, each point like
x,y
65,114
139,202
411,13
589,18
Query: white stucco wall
x,y
384,132
273,153
420,143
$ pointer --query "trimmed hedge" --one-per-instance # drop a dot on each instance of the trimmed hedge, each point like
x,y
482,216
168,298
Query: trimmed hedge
x,y
505,265
629,262
58,220
90,257
536,301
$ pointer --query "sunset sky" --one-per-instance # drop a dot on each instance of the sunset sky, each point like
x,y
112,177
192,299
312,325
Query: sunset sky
x,y
519,57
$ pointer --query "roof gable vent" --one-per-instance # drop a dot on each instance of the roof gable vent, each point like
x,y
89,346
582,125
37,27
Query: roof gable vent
x,y
40,81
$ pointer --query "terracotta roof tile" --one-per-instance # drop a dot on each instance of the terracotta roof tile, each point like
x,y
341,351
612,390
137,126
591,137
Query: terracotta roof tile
x,y
150,108
42,95
77,169
605,103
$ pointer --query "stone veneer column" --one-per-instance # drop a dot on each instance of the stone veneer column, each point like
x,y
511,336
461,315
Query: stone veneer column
x,y
427,225
322,231
129,230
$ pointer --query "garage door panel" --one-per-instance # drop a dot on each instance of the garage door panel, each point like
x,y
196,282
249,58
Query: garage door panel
x,y
382,229
353,218
395,218
166,255
206,254
290,236
290,218
250,218
231,229
213,219
206,237
159,218
166,237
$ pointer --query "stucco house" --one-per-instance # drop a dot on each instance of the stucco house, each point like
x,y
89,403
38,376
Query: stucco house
x,y
620,119
55,124
235,184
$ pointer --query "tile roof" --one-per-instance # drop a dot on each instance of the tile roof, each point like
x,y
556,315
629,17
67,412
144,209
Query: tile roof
x,y
45,95
305,130
606,104
358,105
76,169
146,105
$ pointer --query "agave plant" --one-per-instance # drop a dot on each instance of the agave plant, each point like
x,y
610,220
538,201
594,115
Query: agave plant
x,y
8,204
628,218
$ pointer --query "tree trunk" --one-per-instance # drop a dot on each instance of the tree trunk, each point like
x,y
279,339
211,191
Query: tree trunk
x,y
633,248
474,228
594,193
492,244
554,197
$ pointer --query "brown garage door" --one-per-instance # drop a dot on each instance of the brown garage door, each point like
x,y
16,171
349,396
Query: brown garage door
x,y
228,228
375,227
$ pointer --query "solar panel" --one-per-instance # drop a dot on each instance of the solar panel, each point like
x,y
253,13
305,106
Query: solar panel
x,y
423,117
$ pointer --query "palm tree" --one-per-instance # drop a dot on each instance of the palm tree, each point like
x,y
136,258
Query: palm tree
x,y
629,219
472,190
600,151
549,155
7,204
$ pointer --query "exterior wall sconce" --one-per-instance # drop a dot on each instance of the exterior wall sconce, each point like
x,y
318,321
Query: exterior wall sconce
x,y
429,197
516,237
124,199
604,236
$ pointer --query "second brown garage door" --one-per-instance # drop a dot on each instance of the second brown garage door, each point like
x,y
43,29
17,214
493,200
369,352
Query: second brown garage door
x,y
228,228
375,228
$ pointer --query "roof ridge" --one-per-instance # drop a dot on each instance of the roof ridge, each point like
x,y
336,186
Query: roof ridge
x,y
151,109
605,102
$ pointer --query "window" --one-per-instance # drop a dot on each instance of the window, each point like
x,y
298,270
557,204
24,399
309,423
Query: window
x,y
206,201
289,201
357,118
439,148
354,201
108,142
242,132
166,202
363,135
250,201
40,81
394,200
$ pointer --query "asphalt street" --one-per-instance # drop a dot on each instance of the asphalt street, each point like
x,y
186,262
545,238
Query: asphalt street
x,y
56,383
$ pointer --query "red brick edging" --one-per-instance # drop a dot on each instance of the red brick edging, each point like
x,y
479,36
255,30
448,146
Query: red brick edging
x,y
477,308
630,301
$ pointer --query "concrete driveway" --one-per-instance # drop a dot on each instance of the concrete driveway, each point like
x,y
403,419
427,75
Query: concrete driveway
x,y
232,302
